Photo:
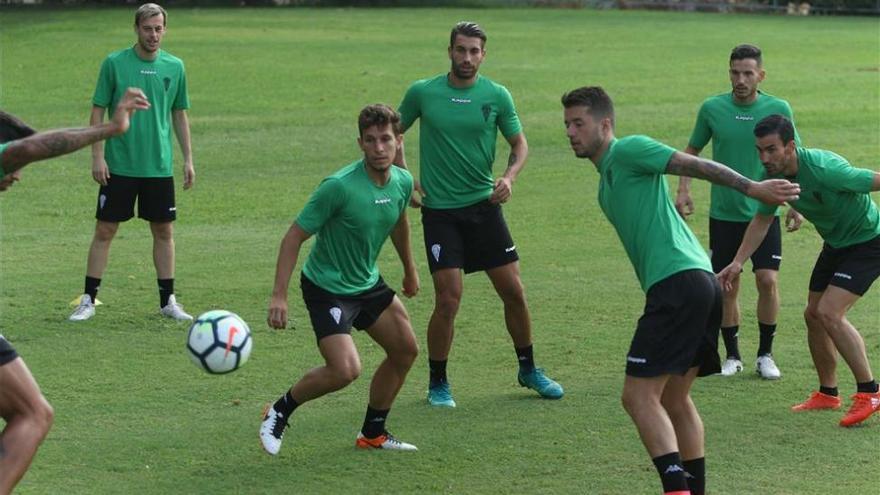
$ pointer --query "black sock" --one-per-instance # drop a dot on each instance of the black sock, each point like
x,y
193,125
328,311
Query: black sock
x,y
832,391
731,341
166,288
696,475
765,345
437,371
671,472
867,387
374,422
526,358
286,404
92,286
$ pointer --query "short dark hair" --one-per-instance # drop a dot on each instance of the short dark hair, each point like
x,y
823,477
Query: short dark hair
x,y
594,97
149,10
468,29
775,124
381,115
13,128
744,51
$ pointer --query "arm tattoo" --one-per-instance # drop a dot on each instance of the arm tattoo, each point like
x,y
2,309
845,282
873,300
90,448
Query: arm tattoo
x,y
51,144
701,168
511,160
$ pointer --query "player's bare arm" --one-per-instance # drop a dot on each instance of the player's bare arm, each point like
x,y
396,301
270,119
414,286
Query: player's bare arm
x,y
401,239
50,144
683,202
752,239
519,151
287,256
181,130
773,191
875,186
400,161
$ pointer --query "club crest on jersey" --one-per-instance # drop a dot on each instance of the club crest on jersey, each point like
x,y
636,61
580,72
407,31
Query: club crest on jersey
x,y
167,81
487,110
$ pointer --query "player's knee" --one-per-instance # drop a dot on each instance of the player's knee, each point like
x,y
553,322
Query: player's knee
x,y
44,417
163,231
829,318
631,401
811,314
766,281
514,294
105,231
446,303
346,373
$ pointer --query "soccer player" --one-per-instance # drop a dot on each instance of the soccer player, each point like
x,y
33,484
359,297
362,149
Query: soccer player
x,y
676,338
27,413
352,212
460,114
137,165
728,119
835,198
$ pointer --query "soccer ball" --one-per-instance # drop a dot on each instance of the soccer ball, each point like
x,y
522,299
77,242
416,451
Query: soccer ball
x,y
219,341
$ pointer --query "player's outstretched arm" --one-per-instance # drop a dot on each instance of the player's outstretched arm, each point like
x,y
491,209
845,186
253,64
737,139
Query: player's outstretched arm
x,y
519,151
752,239
287,256
401,239
50,144
773,191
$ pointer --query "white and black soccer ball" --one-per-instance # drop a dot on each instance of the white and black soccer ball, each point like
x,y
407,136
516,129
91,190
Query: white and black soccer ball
x,y
219,341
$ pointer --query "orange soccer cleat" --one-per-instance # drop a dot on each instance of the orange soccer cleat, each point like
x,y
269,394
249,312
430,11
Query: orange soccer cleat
x,y
818,401
864,405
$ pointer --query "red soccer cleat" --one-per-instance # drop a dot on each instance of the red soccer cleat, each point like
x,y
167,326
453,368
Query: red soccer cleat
x,y
864,405
817,402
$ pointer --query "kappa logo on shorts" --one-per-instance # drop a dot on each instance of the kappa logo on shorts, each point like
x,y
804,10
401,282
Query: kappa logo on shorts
x,y
511,248
336,314
173,208
101,200
435,251
843,275
637,360
776,257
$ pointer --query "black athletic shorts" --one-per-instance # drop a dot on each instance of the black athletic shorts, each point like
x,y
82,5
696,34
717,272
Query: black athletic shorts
x,y
154,195
334,314
853,268
725,238
474,238
679,329
7,352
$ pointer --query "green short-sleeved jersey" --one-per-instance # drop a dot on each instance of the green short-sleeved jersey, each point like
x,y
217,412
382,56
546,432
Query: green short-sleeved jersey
x,y
145,150
835,197
730,126
352,217
457,132
634,196
2,149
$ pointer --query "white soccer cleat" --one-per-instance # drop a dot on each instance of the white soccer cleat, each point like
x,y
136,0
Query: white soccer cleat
x,y
766,368
731,367
272,430
84,310
174,310
385,441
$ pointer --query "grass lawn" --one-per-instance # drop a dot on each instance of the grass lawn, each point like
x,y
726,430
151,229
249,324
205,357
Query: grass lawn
x,y
275,95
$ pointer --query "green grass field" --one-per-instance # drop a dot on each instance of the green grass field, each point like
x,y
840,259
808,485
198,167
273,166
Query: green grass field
x,y
275,95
